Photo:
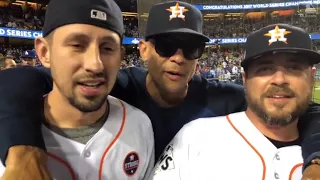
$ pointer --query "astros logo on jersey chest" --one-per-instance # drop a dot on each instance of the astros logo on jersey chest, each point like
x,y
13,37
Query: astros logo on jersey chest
x,y
131,163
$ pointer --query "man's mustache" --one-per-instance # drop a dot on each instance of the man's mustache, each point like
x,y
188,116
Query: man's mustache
x,y
92,76
284,90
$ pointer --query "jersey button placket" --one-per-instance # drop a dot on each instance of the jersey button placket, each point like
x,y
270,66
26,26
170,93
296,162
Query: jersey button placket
x,y
88,176
87,154
276,164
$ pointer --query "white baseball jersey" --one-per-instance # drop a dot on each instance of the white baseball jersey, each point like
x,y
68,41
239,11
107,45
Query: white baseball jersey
x,y
123,149
226,148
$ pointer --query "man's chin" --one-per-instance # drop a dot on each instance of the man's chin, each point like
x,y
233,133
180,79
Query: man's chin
x,y
279,114
274,126
177,90
280,107
278,118
88,104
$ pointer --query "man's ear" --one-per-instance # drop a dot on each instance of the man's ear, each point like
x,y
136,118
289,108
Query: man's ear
x,y
314,71
144,51
313,74
244,77
123,52
41,45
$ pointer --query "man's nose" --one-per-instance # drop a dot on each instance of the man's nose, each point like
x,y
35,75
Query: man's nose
x,y
178,57
92,61
279,77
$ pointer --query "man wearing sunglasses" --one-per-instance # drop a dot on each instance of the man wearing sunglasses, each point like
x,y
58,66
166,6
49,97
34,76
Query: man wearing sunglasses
x,y
167,92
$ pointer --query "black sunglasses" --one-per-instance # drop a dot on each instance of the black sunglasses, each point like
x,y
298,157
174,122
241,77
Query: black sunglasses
x,y
167,47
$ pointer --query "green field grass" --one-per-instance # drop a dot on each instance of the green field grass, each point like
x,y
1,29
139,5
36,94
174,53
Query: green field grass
x,y
316,92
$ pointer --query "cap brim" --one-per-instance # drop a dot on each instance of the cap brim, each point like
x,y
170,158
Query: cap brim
x,y
312,56
184,31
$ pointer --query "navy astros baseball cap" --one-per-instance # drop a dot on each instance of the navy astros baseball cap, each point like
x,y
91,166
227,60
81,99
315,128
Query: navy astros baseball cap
x,y
279,38
175,17
102,13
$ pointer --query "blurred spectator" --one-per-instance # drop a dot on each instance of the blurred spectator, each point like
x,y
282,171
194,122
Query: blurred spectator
x,y
29,58
14,51
7,62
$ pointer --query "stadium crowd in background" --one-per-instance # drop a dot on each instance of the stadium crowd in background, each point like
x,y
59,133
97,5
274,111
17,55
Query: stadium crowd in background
x,y
25,17
241,27
217,62
22,17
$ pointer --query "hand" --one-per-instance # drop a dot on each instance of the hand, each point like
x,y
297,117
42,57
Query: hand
x,y
312,172
25,163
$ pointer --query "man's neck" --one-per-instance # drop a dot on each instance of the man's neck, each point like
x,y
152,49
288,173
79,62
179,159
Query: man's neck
x,y
165,100
59,112
284,134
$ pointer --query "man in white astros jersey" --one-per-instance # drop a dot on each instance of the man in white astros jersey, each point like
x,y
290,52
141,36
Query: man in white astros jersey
x,y
88,134
261,143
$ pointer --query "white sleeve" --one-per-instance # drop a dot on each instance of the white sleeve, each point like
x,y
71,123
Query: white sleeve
x,y
174,163
2,169
150,166
151,155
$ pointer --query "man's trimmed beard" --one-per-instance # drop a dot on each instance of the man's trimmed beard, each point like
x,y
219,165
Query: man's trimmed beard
x,y
281,118
92,104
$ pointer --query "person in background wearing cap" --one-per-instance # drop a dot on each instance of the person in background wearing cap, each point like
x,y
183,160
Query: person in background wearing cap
x,y
29,58
262,142
88,134
7,62
168,92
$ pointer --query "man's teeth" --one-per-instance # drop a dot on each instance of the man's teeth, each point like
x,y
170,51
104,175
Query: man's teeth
x,y
276,96
91,84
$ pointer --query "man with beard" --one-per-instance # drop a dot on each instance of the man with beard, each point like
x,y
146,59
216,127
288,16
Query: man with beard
x,y
168,92
262,142
88,134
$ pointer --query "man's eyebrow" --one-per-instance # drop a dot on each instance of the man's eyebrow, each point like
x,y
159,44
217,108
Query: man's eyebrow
x,y
76,36
109,39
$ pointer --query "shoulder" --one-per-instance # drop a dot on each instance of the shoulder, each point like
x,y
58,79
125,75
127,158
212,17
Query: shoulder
x,y
210,125
199,129
44,70
23,73
314,108
129,80
203,124
132,113
226,88
137,127
31,79
222,98
198,82
131,73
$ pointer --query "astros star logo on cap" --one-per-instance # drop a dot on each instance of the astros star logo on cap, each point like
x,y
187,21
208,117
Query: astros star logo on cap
x,y
177,11
277,34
